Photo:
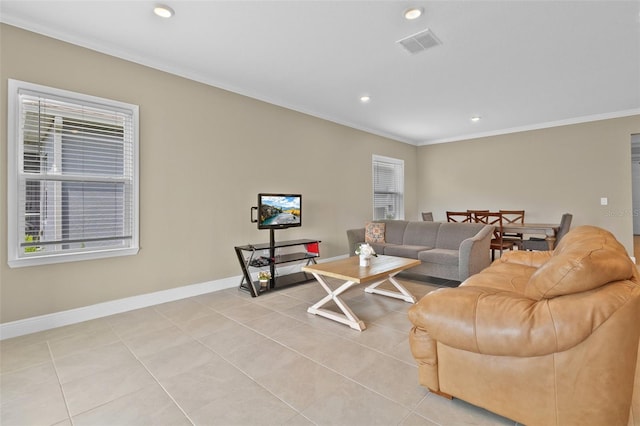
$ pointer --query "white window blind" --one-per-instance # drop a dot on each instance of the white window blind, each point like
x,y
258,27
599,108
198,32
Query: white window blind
x,y
388,188
74,190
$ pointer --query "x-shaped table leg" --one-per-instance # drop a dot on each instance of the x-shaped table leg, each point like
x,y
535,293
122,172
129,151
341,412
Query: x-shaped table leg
x,y
402,292
347,317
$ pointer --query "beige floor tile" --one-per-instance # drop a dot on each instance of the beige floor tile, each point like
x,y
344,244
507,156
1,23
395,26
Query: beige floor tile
x,y
138,321
86,327
82,341
253,359
393,379
184,311
177,359
204,326
16,357
396,320
26,340
415,420
402,351
443,411
309,292
199,386
276,300
298,420
92,361
223,299
42,405
148,406
23,382
299,381
248,406
92,391
246,313
351,404
148,343
383,339
231,339
273,323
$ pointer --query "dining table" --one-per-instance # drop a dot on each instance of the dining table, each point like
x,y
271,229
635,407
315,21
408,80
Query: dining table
x,y
550,230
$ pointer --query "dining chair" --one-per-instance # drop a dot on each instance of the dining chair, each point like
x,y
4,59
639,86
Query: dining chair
x,y
474,211
427,216
513,216
497,242
458,217
542,244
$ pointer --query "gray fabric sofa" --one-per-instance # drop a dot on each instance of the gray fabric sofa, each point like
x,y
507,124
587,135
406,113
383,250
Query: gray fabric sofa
x,y
452,251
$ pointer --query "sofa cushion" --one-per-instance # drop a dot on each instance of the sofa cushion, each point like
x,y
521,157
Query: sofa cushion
x,y
502,275
374,232
421,234
450,235
440,256
379,248
394,231
404,250
586,258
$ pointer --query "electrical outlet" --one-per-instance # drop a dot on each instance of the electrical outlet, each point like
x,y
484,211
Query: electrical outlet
x,y
604,201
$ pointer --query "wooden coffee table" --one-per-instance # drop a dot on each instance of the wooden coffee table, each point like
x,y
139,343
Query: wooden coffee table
x,y
382,268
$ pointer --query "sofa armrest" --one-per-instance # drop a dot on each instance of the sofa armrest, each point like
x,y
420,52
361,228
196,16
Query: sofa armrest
x,y
355,237
527,258
474,253
497,322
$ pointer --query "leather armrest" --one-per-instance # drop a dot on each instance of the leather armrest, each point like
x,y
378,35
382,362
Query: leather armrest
x,y
497,322
527,258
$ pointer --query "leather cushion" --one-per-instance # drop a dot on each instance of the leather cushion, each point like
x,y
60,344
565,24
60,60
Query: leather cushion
x,y
586,258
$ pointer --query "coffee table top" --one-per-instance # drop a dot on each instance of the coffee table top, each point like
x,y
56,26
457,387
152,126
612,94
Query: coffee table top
x,y
349,269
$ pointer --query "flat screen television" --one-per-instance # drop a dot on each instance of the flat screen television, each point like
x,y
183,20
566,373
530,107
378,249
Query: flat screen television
x,y
279,211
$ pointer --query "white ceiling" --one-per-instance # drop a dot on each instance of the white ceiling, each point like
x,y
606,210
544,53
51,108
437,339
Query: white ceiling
x,y
518,64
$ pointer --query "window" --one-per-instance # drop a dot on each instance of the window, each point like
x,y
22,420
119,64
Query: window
x,y
388,188
72,175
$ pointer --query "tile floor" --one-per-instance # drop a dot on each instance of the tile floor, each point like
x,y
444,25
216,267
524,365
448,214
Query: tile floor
x,y
228,359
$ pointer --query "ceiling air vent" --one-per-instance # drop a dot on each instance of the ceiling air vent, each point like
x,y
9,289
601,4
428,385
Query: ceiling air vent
x,y
420,41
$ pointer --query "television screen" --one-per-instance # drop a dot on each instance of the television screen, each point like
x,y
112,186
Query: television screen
x,y
279,210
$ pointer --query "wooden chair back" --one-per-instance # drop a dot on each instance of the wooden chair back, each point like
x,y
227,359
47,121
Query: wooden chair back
x,y
473,214
497,242
513,216
460,217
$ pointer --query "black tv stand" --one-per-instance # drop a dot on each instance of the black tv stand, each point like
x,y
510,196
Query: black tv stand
x,y
249,256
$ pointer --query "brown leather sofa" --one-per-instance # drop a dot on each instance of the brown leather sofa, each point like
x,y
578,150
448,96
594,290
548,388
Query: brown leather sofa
x,y
543,338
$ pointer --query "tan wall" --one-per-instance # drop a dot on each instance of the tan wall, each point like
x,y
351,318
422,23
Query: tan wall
x,y
546,172
205,153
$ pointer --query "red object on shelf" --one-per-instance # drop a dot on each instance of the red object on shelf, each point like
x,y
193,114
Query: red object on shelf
x,y
313,248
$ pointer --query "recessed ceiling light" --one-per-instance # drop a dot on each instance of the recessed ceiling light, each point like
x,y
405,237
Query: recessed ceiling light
x,y
413,13
475,118
365,98
163,11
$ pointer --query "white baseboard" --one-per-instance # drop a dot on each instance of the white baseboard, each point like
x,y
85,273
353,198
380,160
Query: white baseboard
x,y
86,313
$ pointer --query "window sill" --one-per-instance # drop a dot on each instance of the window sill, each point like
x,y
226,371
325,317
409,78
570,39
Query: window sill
x,y
71,257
